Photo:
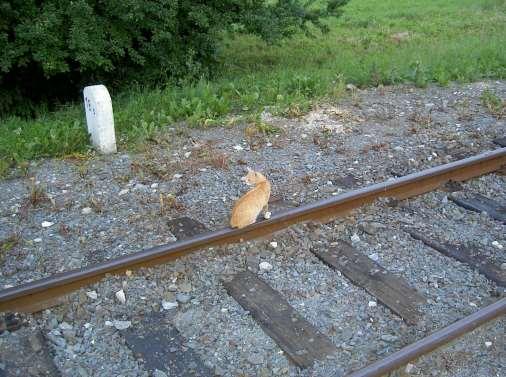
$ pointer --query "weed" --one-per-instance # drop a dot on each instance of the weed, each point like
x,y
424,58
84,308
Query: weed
x,y
4,167
493,103
338,87
303,85
78,156
220,161
307,179
207,155
37,194
82,169
375,147
168,202
420,118
258,127
9,243
96,205
297,109
250,131
267,129
149,167
356,100
323,140
22,168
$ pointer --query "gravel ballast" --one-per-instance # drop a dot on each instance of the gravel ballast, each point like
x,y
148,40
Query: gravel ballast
x,y
70,213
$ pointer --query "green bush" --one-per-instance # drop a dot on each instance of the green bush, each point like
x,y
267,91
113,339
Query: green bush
x,y
51,48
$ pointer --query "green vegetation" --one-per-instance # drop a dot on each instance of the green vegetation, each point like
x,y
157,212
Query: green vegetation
x,y
8,244
55,47
266,129
372,43
493,103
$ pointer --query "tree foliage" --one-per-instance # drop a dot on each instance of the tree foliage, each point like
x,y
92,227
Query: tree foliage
x,y
51,48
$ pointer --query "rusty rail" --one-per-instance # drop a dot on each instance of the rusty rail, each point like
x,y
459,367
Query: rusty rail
x,y
36,295
433,341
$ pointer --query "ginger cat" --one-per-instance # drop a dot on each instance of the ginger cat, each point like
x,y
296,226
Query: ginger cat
x,y
247,208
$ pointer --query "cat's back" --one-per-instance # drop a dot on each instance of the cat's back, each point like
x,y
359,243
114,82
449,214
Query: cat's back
x,y
247,208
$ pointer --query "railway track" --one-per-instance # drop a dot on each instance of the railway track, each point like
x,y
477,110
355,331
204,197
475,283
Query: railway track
x,y
300,341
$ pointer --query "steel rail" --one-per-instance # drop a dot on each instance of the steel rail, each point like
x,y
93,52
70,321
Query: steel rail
x,y
36,295
433,341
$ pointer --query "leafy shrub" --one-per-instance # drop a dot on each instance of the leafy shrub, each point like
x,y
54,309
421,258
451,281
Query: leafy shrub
x,y
52,48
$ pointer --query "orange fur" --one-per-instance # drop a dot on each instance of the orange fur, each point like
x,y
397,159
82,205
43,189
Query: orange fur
x,y
247,208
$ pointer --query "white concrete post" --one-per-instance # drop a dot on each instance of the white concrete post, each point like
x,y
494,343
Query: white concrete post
x,y
99,117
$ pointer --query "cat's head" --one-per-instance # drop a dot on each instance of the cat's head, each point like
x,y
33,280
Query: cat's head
x,y
253,177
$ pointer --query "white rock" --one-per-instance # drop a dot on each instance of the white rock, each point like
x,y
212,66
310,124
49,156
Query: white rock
x,y
122,325
86,211
177,176
265,266
167,305
488,344
109,323
92,294
497,245
374,257
100,118
372,304
238,147
159,373
154,185
183,298
187,154
267,215
120,295
65,326
123,192
409,368
273,244
355,238
37,240
47,224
